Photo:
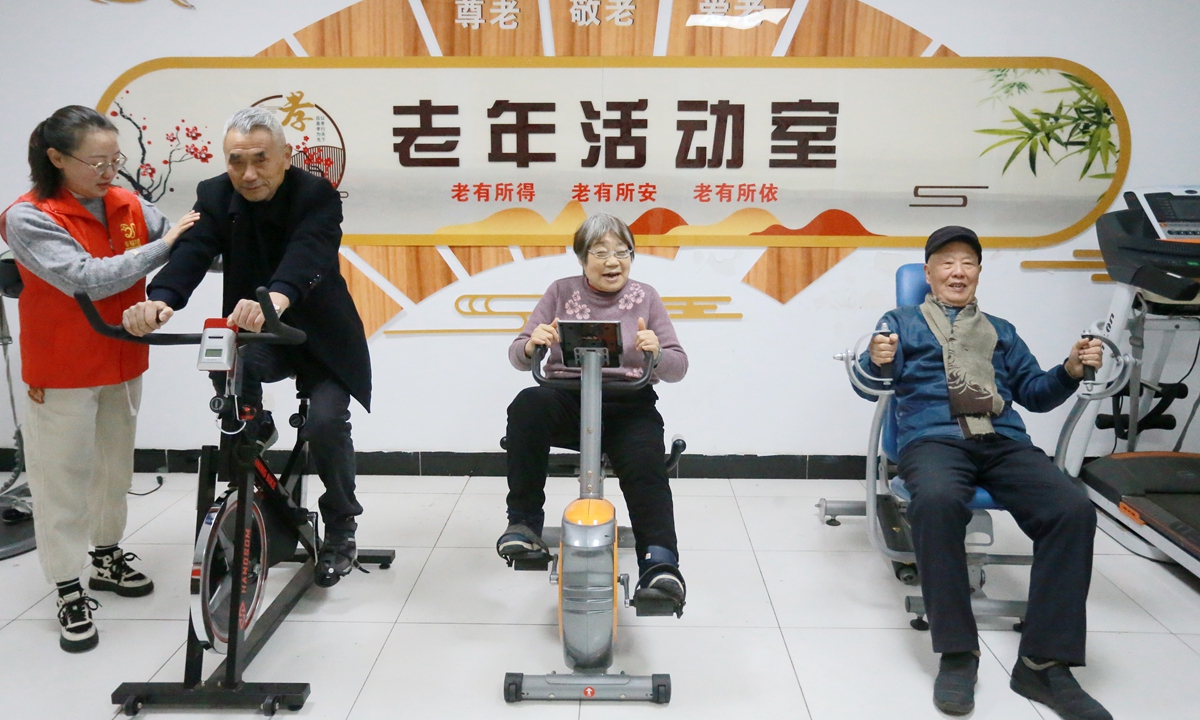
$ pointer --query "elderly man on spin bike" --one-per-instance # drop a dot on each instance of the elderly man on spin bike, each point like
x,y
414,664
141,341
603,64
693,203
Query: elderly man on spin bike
x,y
279,227
632,428
956,374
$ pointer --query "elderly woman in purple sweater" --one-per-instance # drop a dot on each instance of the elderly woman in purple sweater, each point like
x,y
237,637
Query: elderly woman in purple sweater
x,y
633,430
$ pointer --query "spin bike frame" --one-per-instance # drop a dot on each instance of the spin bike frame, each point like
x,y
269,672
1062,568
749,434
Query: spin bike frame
x,y
586,570
239,464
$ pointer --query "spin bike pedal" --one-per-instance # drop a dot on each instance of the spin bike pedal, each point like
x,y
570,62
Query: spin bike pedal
x,y
651,602
530,560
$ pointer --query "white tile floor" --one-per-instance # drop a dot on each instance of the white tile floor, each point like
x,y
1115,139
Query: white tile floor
x,y
786,618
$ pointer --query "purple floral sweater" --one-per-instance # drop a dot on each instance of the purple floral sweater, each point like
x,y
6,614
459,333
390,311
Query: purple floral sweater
x,y
572,298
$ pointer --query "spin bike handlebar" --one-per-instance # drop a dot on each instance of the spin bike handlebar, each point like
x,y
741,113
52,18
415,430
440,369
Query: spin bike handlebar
x,y
539,354
277,333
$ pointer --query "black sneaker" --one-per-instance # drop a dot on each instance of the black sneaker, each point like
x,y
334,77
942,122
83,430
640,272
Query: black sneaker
x,y
954,688
111,573
338,556
661,590
518,540
1052,684
75,618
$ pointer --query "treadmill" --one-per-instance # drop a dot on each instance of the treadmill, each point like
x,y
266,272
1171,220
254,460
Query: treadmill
x,y
1148,501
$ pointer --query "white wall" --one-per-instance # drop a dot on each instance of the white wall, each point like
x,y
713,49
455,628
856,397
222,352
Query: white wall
x,y
765,384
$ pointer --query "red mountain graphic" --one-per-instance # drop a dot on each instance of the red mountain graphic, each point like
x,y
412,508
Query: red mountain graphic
x,y
830,222
656,221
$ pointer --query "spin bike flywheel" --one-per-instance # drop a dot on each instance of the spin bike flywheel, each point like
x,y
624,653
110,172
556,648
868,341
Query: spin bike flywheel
x,y
213,573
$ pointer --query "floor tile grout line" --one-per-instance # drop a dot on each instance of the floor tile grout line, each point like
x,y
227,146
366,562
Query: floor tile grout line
x,y
770,599
1098,571
374,663
405,604
154,517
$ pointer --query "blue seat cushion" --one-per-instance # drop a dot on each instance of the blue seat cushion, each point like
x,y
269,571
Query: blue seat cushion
x,y
982,500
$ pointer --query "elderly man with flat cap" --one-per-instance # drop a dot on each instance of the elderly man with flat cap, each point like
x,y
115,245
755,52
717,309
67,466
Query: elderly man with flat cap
x,y
956,374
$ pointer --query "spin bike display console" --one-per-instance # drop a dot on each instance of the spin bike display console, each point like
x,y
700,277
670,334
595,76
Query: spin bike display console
x,y
585,569
1148,501
237,542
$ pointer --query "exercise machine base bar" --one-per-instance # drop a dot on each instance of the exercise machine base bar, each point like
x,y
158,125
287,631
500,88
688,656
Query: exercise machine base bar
x,y
581,686
267,696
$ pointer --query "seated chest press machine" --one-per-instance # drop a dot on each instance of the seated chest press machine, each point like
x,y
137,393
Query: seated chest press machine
x,y
887,498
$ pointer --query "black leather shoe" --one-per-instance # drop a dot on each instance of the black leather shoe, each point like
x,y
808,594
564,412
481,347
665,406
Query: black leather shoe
x,y
338,556
954,688
1052,684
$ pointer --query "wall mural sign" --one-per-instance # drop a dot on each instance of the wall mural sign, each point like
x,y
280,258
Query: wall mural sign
x,y
784,152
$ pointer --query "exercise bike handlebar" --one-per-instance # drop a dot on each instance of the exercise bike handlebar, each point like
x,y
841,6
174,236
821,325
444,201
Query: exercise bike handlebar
x,y
276,332
539,354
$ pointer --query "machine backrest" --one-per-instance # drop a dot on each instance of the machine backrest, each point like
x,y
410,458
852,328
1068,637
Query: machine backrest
x,y
911,289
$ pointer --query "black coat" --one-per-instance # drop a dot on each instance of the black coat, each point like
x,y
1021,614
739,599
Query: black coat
x,y
288,244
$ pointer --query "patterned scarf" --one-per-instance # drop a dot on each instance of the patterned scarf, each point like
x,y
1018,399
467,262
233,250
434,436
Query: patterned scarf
x,y
967,347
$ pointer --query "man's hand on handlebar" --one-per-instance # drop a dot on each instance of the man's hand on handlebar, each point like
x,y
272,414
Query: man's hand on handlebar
x,y
647,341
542,335
146,317
883,348
248,314
1085,351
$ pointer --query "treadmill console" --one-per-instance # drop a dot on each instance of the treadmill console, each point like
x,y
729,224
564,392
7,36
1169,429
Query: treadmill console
x,y
1155,244
1174,212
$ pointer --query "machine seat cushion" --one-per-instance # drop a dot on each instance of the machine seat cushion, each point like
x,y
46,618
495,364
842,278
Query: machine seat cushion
x,y
982,500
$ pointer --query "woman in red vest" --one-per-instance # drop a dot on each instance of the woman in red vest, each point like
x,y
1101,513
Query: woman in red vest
x,y
75,231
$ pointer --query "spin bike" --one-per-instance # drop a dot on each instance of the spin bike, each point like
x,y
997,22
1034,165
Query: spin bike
x,y
237,541
585,569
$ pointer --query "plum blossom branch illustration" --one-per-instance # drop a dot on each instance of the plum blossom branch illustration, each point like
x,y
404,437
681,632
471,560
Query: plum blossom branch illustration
x,y
145,178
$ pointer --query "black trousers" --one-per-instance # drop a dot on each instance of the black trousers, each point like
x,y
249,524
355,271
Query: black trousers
x,y
327,429
941,474
631,435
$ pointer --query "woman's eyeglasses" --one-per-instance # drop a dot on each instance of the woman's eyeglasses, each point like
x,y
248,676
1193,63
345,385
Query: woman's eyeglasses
x,y
105,165
622,254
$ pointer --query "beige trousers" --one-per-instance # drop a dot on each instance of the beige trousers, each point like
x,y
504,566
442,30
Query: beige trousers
x,y
79,455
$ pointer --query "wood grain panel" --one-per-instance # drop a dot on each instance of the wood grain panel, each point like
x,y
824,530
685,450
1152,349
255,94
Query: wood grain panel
x,y
374,306
944,51
783,272
418,272
606,39
540,251
278,50
370,28
478,259
665,252
721,42
848,28
488,40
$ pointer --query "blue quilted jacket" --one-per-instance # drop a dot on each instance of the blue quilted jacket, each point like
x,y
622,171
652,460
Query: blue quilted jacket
x,y
922,403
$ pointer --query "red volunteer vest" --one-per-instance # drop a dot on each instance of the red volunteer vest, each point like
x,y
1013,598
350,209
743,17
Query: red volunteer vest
x,y
58,347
